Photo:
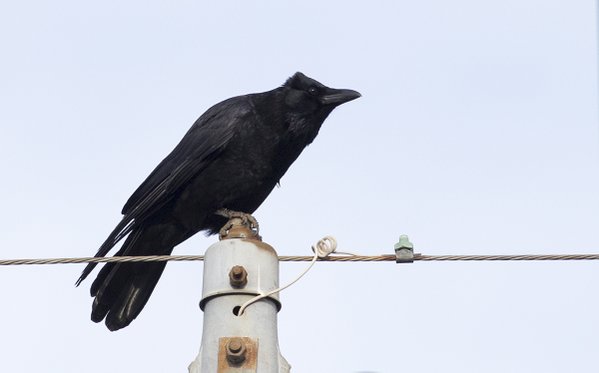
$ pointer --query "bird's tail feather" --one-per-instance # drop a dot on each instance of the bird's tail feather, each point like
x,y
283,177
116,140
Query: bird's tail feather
x,y
121,290
124,227
125,293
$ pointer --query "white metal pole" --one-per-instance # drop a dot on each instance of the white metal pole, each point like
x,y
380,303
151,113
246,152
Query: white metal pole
x,y
236,269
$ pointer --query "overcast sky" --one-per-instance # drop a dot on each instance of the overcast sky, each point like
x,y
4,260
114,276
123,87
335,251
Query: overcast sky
x,y
477,133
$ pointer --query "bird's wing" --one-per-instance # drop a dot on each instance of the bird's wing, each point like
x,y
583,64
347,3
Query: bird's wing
x,y
209,136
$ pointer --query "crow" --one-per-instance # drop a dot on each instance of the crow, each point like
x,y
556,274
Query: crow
x,y
229,160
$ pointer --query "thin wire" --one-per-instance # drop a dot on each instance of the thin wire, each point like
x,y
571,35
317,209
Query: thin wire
x,y
300,258
446,258
110,259
322,249
525,257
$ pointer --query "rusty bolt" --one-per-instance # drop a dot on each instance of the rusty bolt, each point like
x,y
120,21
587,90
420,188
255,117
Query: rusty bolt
x,y
238,277
236,351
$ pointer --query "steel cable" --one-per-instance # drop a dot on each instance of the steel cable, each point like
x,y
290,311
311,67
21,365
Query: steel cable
x,y
301,258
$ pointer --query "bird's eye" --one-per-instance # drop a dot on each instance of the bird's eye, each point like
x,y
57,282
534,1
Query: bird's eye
x,y
313,91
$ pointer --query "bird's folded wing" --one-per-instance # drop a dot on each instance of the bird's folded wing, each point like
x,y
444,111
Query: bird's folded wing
x,y
209,136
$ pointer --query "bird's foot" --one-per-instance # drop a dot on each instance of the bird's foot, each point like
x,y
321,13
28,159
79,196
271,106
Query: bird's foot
x,y
237,218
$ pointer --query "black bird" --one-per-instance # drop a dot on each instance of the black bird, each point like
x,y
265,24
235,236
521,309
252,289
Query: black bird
x,y
231,158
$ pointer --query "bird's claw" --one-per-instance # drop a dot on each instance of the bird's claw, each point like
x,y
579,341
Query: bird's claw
x,y
238,218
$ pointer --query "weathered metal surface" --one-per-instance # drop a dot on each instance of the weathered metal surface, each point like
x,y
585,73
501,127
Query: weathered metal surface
x,y
238,277
259,259
236,351
236,229
237,355
258,323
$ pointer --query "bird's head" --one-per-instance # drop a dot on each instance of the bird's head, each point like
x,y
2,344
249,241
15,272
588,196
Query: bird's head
x,y
309,102
306,95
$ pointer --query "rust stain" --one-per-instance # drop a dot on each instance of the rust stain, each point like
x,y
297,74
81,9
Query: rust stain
x,y
248,365
241,231
238,230
263,246
238,277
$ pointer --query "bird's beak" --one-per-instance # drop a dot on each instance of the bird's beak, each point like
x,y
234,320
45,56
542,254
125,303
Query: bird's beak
x,y
339,96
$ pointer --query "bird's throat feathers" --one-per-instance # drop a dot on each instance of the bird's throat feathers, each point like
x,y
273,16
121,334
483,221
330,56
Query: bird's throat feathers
x,y
296,124
302,128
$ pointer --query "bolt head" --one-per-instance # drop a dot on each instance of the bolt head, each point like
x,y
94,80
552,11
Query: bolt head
x,y
237,271
236,351
238,277
235,345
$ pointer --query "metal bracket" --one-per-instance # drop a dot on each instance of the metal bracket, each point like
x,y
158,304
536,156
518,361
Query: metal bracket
x,y
404,250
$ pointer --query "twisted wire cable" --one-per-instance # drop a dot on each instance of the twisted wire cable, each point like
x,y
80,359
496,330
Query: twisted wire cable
x,y
303,258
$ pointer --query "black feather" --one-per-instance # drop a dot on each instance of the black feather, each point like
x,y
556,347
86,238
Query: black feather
x,y
232,157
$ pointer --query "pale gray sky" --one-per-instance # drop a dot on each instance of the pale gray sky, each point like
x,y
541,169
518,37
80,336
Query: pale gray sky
x,y
477,133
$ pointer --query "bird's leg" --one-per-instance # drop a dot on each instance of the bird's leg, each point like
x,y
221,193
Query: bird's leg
x,y
245,219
